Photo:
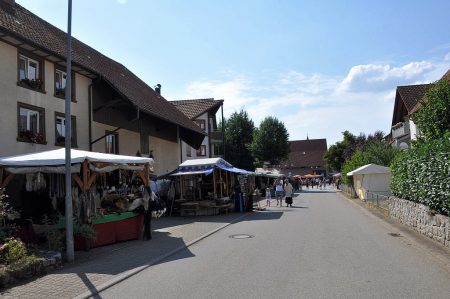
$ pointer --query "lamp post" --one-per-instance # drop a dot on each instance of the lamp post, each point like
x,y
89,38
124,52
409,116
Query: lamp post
x,y
68,140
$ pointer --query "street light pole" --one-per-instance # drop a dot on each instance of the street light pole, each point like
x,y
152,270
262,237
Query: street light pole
x,y
68,139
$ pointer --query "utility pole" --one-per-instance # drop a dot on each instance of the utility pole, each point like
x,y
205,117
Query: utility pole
x,y
68,140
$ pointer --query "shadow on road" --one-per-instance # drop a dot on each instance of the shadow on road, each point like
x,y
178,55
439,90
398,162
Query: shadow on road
x,y
316,191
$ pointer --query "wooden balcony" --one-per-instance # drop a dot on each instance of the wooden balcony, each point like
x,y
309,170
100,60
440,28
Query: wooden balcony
x,y
216,137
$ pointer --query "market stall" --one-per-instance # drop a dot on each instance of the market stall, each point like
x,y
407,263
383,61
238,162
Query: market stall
x,y
206,186
371,178
107,189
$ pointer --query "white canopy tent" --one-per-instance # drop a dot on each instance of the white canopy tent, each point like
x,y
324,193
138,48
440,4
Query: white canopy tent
x,y
58,156
371,178
53,161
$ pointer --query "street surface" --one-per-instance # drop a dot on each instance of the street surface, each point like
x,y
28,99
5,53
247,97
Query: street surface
x,y
324,247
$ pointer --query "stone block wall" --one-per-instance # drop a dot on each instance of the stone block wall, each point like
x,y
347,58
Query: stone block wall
x,y
421,219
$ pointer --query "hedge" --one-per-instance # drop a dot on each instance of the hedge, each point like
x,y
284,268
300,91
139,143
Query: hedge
x,y
422,174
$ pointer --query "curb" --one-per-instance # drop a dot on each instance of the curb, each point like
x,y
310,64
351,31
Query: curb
x,y
127,274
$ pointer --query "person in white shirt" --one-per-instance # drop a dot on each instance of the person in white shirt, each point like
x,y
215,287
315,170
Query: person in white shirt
x,y
288,190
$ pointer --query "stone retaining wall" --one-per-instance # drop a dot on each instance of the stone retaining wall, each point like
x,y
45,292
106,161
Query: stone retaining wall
x,y
421,219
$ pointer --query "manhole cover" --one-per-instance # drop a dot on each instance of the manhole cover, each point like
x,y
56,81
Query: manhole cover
x,y
241,236
395,234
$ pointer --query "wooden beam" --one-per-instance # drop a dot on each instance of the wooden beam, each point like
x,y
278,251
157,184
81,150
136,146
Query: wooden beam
x,y
91,180
78,180
85,175
7,180
144,174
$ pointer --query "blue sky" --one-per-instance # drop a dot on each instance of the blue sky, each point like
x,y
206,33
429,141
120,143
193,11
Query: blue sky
x,y
321,67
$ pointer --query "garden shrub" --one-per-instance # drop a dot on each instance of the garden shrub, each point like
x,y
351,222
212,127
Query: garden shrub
x,y
422,174
12,251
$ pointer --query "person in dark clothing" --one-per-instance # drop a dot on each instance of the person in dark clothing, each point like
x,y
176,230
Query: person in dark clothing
x,y
237,196
147,214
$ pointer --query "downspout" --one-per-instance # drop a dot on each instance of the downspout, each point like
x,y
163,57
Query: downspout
x,y
181,144
90,87
223,134
90,114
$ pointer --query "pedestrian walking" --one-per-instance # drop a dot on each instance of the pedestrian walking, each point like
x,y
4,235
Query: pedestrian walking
x,y
268,196
279,191
288,190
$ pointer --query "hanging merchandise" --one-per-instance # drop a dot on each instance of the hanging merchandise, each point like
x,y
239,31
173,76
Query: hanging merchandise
x,y
35,182
29,182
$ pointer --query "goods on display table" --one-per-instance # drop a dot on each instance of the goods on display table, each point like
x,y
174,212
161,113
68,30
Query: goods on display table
x,y
109,192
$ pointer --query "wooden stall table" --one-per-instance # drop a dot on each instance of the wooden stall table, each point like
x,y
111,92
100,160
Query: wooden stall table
x,y
112,228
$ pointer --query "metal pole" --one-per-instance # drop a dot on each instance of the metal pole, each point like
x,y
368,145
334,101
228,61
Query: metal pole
x,y
68,140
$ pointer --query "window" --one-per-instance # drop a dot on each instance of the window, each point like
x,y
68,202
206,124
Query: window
x,y
60,129
188,150
201,151
29,72
112,143
31,124
200,123
60,83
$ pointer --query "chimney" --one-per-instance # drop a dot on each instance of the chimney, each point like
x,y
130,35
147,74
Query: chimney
x,y
158,89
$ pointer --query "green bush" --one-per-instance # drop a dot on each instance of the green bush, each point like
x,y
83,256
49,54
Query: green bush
x,y
422,174
52,235
12,251
357,160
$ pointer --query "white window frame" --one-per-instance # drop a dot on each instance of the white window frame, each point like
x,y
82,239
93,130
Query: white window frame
x,y
201,152
111,138
62,81
63,126
27,67
188,150
29,113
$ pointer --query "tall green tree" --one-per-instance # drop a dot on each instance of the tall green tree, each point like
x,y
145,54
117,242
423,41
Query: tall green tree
x,y
338,153
238,137
342,151
375,152
433,118
270,142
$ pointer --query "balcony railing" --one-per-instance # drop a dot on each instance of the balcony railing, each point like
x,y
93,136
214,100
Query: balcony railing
x,y
216,136
400,129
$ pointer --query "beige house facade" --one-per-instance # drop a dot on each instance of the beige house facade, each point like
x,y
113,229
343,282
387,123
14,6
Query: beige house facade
x,y
113,111
37,110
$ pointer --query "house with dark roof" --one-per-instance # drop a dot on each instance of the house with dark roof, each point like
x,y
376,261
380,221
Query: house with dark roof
x,y
403,129
407,102
203,113
113,110
306,157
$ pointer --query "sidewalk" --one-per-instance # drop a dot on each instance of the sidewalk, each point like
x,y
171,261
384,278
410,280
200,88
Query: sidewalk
x,y
105,265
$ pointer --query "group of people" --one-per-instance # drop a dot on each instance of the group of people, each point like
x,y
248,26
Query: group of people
x,y
282,189
318,182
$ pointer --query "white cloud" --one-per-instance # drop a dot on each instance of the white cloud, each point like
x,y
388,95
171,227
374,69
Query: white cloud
x,y
122,1
377,76
319,105
447,57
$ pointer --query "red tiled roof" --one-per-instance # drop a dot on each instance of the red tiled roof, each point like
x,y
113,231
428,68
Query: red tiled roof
x,y
22,24
307,153
195,108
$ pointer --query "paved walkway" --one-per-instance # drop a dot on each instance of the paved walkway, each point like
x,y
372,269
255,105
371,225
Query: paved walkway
x,y
101,265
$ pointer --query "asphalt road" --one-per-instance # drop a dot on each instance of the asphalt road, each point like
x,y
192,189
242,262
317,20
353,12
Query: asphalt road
x,y
323,247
